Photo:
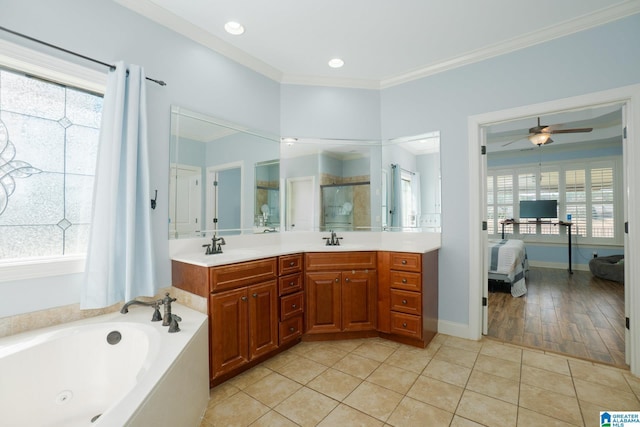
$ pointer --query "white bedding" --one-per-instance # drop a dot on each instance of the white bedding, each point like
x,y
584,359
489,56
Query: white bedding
x,y
507,260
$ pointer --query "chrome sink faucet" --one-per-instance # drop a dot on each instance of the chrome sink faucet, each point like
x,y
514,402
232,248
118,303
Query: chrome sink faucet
x,y
215,246
334,240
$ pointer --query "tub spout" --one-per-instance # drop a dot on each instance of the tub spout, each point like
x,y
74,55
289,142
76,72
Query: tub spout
x,y
155,304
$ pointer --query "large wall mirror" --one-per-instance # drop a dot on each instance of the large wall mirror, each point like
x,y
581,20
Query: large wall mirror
x,y
221,177
411,183
331,184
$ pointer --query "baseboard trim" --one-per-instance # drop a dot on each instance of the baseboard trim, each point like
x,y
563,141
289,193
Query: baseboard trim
x,y
559,265
455,329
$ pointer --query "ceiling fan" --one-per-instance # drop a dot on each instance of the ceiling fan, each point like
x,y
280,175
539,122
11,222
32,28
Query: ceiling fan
x,y
541,134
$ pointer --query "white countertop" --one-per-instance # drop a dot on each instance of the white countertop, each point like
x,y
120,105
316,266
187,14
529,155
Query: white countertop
x,y
251,247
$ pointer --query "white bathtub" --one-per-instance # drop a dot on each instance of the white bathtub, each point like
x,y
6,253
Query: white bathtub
x,y
70,375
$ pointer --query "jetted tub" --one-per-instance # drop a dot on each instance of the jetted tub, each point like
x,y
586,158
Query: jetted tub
x,y
110,370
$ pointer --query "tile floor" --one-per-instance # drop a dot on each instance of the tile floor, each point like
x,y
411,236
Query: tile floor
x,y
453,382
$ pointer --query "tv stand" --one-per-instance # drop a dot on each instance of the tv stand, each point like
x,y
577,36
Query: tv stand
x,y
559,223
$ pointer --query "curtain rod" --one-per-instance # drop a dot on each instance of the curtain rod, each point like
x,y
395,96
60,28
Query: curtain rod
x,y
110,66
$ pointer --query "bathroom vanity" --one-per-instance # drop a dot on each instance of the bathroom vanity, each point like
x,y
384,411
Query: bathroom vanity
x,y
258,307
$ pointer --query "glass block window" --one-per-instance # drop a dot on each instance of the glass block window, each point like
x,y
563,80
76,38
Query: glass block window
x,y
48,146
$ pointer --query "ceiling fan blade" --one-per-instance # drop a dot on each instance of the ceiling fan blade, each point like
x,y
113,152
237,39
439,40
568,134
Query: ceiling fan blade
x,y
577,130
515,140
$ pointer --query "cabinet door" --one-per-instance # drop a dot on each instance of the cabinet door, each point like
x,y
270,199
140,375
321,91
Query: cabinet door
x,y
359,300
323,302
229,340
263,318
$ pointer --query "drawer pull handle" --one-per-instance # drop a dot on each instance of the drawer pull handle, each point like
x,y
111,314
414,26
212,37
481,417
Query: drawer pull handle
x,y
404,261
255,295
404,301
404,325
404,280
294,306
243,298
292,263
292,329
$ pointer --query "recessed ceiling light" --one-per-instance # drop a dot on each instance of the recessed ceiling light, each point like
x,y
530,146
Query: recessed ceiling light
x,y
289,140
336,63
234,28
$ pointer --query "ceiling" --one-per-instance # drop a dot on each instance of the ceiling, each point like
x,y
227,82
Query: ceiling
x,y
382,42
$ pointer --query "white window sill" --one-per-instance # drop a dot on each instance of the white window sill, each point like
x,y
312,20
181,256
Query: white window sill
x,y
33,268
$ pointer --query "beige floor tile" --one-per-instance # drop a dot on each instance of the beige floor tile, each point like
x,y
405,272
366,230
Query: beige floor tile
x,y
413,360
458,421
487,410
590,413
447,372
634,383
221,392
335,384
607,396
249,377
501,351
437,393
463,344
302,370
548,380
344,415
374,400
237,410
325,356
599,374
547,362
494,386
550,403
273,419
357,366
374,350
280,360
393,378
412,412
346,345
499,367
306,407
528,418
272,389
456,355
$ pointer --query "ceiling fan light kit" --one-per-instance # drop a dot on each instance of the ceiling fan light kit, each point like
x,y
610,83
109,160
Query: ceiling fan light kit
x,y
540,138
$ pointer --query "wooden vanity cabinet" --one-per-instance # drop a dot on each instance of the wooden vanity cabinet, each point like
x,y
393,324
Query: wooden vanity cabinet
x,y
408,296
291,297
341,289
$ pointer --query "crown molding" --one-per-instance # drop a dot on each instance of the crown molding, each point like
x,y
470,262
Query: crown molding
x,y
167,19
539,36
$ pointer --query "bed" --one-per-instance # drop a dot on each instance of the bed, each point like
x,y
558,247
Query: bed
x,y
507,262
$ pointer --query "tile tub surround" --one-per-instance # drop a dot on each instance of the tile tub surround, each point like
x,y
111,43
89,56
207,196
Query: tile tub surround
x,y
456,382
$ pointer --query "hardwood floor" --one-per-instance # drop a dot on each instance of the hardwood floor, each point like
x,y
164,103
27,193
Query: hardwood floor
x,y
579,315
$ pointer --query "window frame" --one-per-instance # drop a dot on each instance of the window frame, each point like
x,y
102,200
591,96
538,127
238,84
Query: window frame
x,y
561,167
46,67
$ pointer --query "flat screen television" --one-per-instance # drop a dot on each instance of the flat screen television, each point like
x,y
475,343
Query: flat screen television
x,y
539,209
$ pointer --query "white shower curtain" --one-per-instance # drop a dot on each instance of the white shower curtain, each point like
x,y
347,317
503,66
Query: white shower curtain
x,y
119,262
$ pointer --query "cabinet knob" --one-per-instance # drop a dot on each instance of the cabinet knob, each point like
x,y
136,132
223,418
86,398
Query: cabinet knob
x,y
404,325
404,280
243,298
337,279
292,283
255,295
404,301
404,261
292,329
346,279
294,306
292,263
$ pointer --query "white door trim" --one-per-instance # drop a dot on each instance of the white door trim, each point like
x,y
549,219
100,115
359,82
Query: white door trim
x,y
630,97
212,171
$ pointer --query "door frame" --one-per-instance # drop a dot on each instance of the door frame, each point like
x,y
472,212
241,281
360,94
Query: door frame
x,y
315,224
212,194
629,96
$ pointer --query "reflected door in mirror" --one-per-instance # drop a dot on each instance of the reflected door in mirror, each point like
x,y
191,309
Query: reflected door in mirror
x,y
300,204
185,200
225,200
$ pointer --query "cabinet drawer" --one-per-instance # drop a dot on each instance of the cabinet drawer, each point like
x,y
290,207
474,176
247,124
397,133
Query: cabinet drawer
x,y
289,264
406,324
290,284
291,305
406,302
406,261
339,261
242,274
290,329
406,280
